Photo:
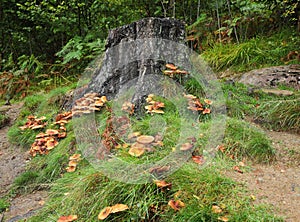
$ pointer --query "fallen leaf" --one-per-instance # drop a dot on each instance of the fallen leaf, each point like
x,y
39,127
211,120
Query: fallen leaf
x,y
237,169
176,205
104,213
216,209
163,184
67,218
198,159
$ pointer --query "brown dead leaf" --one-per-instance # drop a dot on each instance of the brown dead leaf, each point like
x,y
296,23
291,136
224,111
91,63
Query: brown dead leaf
x,y
199,159
237,169
163,184
176,205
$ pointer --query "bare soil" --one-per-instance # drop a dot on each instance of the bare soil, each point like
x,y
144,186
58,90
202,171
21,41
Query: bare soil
x,y
277,184
12,163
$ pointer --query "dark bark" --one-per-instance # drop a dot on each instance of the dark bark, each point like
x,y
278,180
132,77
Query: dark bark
x,y
136,50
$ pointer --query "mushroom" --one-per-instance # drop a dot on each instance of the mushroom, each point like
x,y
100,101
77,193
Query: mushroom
x,y
145,139
136,151
186,146
104,213
171,66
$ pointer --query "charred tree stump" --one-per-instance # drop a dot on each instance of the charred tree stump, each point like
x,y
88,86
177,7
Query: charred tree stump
x,y
133,51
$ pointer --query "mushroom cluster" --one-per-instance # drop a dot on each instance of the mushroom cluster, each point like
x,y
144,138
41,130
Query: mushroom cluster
x,y
73,161
34,123
89,103
44,142
142,143
195,104
128,107
173,70
154,106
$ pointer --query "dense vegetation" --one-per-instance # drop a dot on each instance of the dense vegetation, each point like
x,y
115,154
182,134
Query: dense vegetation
x,y
47,43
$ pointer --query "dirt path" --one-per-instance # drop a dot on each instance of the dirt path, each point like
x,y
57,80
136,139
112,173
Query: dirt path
x,y
12,163
277,184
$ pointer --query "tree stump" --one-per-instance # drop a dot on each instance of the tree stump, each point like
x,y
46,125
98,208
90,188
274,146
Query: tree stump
x,y
133,51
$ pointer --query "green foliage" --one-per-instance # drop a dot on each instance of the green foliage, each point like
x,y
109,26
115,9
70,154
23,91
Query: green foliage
x,y
4,119
280,114
255,53
3,205
244,140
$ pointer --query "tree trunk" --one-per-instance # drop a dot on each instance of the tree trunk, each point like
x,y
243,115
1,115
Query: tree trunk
x,y
134,51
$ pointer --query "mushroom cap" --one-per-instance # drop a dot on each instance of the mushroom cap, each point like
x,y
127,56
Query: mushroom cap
x,y
119,207
52,132
144,139
157,111
171,66
186,146
136,151
138,145
133,135
75,156
104,213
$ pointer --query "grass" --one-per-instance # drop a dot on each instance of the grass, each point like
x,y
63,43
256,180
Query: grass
x,y
280,114
255,53
4,120
86,191
4,204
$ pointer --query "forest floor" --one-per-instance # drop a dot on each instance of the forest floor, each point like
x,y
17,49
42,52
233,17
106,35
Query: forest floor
x,y
12,163
276,184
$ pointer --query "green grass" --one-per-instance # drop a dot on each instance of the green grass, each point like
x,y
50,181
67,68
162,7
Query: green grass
x,y
280,114
4,120
4,204
254,53
86,191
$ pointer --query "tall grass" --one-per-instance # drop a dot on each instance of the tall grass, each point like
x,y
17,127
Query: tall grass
x,y
255,53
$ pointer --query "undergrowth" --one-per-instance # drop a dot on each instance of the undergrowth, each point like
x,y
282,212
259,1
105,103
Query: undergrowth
x,y
255,53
